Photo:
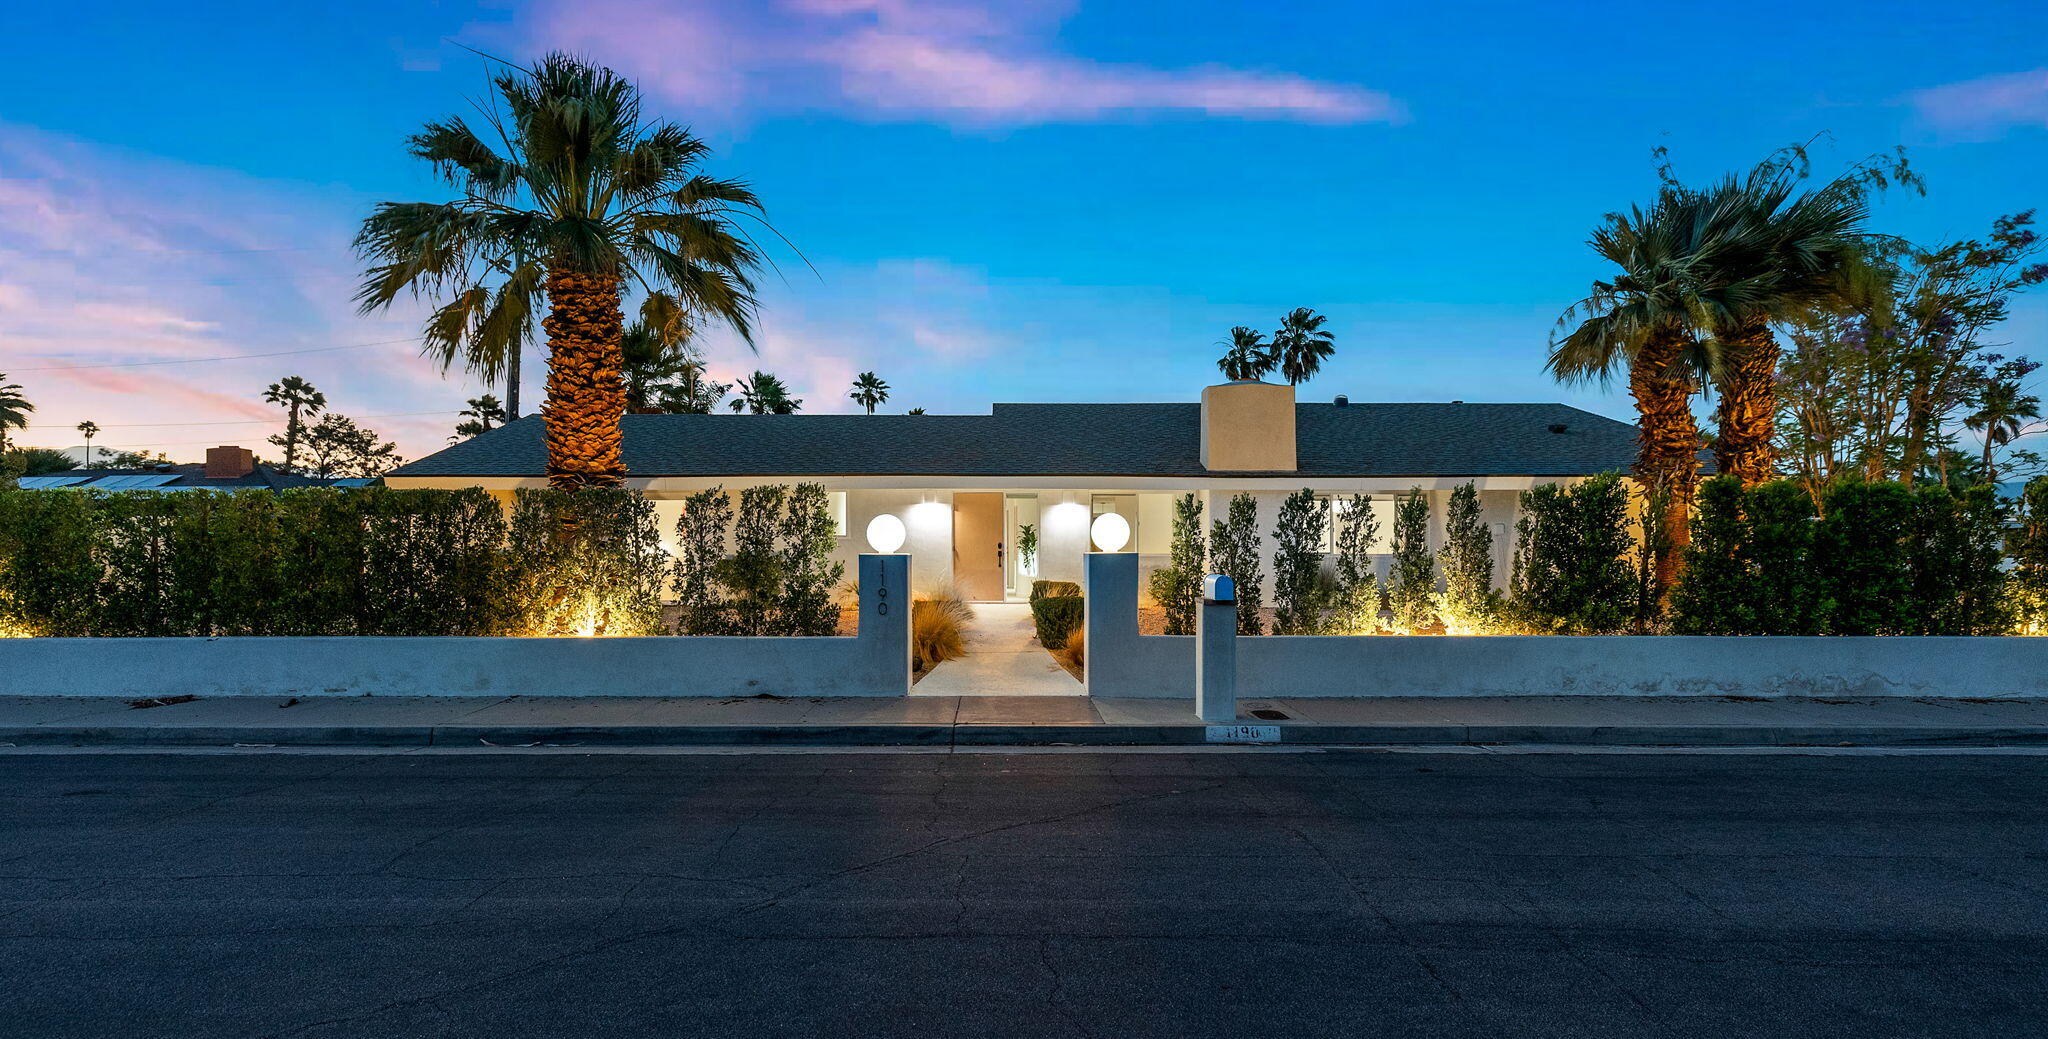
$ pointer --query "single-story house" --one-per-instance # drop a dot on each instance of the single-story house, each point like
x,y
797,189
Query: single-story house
x,y
966,486
227,468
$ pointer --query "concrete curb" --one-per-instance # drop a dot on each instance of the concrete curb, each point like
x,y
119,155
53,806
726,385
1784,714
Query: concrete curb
x,y
973,735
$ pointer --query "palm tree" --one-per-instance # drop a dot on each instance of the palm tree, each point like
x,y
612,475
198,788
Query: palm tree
x,y
584,201
649,362
300,401
1301,345
2002,415
483,415
14,410
1248,359
868,391
764,394
915,411
89,429
1641,318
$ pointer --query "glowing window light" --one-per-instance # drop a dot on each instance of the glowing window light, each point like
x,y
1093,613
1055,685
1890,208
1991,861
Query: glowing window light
x,y
1110,532
885,533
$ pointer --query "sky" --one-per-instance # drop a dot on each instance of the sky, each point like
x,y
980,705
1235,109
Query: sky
x,y
1027,200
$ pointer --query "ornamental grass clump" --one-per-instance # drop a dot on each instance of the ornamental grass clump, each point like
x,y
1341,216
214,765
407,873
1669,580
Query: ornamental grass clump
x,y
938,628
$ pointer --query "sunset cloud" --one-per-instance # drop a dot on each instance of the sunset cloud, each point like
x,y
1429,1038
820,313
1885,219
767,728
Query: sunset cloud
x,y
977,65
1978,106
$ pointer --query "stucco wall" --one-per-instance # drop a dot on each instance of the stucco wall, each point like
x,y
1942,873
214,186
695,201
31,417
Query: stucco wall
x,y
876,663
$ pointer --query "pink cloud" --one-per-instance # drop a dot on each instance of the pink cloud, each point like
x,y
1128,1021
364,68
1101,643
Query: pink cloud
x,y
974,64
1979,105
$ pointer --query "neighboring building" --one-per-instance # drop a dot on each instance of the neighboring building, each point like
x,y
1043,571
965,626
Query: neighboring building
x,y
964,484
225,469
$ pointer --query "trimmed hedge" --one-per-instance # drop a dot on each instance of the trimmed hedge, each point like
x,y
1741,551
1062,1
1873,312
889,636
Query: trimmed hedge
x,y
1057,616
1054,589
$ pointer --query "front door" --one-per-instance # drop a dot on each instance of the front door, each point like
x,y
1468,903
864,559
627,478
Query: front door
x,y
978,545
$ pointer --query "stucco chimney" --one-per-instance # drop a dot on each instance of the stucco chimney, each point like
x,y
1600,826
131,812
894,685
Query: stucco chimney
x,y
227,463
1248,426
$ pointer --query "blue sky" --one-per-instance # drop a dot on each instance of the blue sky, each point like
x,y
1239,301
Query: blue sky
x,y
1012,201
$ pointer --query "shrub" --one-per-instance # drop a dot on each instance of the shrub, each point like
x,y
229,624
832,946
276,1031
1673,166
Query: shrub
x,y
2028,548
1860,550
1750,568
752,575
700,548
1234,552
585,562
1713,592
1057,589
1468,605
1411,579
1299,593
808,572
49,573
1570,576
1355,602
1956,547
1177,586
938,629
1056,617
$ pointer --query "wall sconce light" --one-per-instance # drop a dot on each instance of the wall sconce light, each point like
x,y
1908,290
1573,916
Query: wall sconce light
x,y
885,533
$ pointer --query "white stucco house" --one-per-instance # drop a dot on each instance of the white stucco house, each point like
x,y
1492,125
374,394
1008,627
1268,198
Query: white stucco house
x,y
964,486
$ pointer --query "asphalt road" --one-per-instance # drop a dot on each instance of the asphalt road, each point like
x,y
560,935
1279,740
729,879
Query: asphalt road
x,y
1340,893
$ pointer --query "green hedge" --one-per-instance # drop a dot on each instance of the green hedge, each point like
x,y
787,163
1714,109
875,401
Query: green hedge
x,y
370,561
1056,616
1056,589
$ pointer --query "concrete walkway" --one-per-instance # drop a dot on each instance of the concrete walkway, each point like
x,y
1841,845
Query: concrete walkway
x,y
379,721
1003,659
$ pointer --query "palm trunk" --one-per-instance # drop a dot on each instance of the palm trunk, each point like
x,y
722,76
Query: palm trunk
x,y
512,383
1667,457
1748,411
585,394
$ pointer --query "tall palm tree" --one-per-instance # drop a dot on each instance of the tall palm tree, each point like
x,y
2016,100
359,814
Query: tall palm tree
x,y
585,201
300,401
868,391
14,410
764,394
1247,358
88,429
2002,415
1302,345
1641,318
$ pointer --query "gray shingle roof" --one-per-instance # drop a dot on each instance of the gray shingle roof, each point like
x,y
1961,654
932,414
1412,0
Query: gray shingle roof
x,y
1076,440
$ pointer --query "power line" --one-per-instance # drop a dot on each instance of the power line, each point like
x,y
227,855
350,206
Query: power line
x,y
238,422
229,357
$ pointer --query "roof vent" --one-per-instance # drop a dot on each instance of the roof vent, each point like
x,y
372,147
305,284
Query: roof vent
x,y
1557,427
1342,401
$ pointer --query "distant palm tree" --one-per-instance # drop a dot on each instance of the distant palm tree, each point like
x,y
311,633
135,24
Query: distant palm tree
x,y
764,394
14,410
300,401
1302,345
2002,415
915,411
1249,358
584,199
483,415
89,429
868,391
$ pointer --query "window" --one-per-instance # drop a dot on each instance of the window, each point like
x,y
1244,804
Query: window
x,y
838,512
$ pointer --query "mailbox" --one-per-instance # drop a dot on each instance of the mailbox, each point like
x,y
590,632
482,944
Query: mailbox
x,y
1218,588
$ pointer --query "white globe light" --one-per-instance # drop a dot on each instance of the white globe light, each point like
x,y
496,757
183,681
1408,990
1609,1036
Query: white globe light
x,y
1110,532
885,533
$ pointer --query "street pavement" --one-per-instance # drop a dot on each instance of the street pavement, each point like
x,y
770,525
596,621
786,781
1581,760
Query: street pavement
x,y
1238,893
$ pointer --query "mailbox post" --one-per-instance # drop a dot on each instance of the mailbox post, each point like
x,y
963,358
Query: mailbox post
x,y
1216,651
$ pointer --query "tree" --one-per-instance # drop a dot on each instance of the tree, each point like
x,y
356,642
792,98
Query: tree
x,y
585,199
36,461
483,415
1356,609
1247,358
1411,577
300,401
1234,552
1302,345
651,362
1298,564
1468,605
2002,415
808,572
88,429
337,447
869,390
14,410
764,394
2028,548
1177,586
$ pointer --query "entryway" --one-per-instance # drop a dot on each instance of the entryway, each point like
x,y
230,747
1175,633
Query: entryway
x,y
1003,659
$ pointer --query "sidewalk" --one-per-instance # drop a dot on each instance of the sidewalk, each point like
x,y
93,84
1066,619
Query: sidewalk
x,y
1016,721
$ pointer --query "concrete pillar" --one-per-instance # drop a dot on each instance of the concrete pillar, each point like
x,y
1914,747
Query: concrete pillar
x,y
1216,652
1109,585
885,621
